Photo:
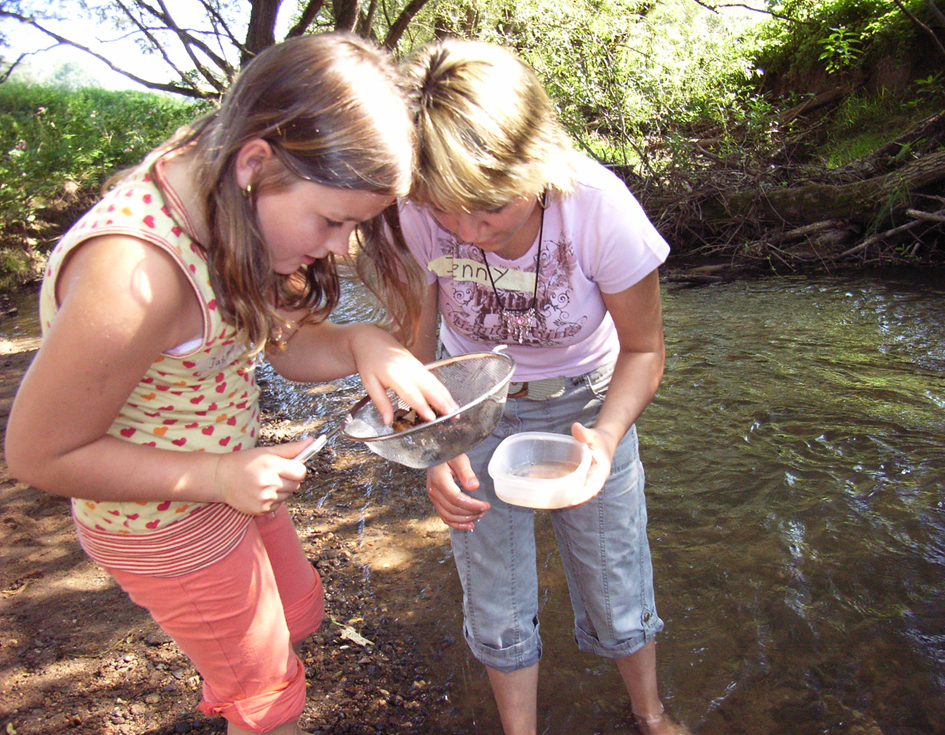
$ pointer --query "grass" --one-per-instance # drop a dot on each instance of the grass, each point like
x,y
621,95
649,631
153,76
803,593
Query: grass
x,y
867,121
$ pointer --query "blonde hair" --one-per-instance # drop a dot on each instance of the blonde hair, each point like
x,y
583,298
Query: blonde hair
x,y
487,131
329,106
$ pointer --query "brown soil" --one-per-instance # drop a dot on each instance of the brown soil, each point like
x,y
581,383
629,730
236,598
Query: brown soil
x,y
76,656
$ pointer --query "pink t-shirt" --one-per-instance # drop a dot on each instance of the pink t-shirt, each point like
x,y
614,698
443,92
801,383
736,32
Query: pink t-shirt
x,y
596,240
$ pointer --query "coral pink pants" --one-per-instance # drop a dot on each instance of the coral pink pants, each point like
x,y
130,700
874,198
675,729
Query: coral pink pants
x,y
237,620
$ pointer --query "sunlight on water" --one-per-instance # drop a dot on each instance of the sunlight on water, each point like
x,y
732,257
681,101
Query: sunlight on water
x,y
19,329
795,459
803,427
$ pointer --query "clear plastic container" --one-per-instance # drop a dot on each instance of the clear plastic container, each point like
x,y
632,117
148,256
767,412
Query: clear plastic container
x,y
538,469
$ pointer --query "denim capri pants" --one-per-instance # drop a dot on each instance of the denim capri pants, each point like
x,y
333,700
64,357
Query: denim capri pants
x,y
603,546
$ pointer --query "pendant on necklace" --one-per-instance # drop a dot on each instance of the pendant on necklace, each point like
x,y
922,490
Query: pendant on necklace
x,y
519,323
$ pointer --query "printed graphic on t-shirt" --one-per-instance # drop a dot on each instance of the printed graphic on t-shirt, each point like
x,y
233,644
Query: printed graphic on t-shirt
x,y
509,308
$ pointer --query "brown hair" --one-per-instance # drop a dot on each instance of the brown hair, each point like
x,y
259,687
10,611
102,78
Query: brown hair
x,y
329,106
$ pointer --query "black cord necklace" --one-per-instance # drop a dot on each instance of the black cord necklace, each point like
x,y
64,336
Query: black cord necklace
x,y
519,321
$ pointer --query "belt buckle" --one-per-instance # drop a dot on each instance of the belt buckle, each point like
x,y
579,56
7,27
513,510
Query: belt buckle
x,y
518,390
545,390
538,390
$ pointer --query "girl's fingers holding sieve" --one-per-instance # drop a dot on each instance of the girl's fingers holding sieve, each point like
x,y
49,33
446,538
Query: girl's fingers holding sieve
x,y
419,389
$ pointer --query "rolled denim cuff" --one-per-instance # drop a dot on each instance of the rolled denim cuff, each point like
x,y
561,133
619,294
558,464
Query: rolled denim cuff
x,y
519,655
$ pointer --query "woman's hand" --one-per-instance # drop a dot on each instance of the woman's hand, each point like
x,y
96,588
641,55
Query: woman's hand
x,y
256,481
602,446
457,509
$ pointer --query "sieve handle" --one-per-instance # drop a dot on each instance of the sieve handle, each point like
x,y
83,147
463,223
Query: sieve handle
x,y
312,449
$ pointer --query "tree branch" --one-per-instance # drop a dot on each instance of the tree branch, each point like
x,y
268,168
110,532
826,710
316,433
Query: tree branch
x,y
939,15
876,238
399,26
218,20
157,47
927,216
366,22
13,65
309,13
191,90
922,25
188,42
763,11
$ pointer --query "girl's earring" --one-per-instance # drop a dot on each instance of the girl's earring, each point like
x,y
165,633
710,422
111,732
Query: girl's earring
x,y
248,191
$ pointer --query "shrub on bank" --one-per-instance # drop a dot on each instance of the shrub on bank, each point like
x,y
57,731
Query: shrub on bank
x,y
57,147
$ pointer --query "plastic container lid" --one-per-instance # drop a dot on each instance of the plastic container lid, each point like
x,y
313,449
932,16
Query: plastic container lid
x,y
539,469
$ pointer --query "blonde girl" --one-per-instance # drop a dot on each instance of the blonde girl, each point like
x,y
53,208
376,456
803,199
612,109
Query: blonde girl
x,y
527,244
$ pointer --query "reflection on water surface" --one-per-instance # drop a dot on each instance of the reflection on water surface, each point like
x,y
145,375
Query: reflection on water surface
x,y
795,460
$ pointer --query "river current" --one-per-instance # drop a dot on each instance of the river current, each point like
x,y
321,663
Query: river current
x,y
795,459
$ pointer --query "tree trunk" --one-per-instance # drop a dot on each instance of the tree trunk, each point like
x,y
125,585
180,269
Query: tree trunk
x,y
346,14
261,33
860,202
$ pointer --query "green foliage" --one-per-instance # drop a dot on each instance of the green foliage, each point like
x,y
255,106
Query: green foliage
x,y
51,136
929,91
834,35
864,122
841,49
59,146
17,266
850,148
61,74
863,111
623,72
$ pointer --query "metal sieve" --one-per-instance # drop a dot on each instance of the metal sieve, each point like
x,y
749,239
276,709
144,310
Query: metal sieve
x,y
478,382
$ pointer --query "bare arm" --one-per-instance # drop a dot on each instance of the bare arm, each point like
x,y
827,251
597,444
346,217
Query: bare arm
x,y
122,303
326,351
455,507
637,314
425,347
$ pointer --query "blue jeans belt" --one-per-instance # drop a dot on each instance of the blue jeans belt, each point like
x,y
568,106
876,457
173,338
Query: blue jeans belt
x,y
538,390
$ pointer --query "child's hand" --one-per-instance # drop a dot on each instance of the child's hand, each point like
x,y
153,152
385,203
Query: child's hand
x,y
256,481
457,509
383,363
602,454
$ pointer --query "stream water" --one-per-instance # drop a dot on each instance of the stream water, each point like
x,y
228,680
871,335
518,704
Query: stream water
x,y
795,460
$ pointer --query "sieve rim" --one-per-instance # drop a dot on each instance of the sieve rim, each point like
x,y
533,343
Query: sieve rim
x,y
500,385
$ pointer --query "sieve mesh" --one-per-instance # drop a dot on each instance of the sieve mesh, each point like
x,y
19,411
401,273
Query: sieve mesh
x,y
478,382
